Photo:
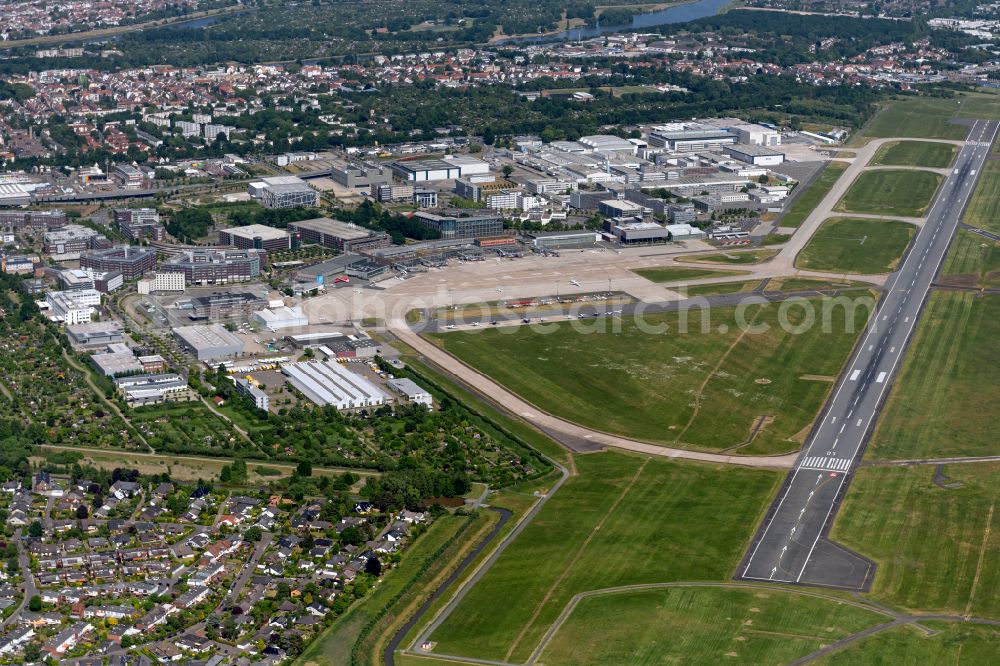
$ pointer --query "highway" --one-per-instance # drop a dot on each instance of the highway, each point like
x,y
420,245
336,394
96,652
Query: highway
x,y
791,545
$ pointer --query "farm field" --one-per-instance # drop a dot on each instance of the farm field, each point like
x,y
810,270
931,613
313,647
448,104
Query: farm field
x,y
944,401
677,274
906,193
849,245
705,388
657,520
810,198
929,118
954,644
742,258
702,625
972,261
915,153
937,546
984,207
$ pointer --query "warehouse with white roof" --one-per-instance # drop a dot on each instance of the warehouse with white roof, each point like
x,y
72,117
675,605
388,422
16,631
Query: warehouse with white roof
x,y
330,383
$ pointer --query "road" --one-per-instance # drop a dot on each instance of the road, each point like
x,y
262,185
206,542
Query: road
x,y
28,588
791,545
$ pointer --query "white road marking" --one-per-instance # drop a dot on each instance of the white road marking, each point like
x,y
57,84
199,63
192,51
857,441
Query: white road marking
x,y
854,377
881,377
858,424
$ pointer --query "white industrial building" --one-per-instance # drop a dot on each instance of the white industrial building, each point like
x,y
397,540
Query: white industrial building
x,y
413,392
755,154
276,319
209,342
757,135
161,282
330,383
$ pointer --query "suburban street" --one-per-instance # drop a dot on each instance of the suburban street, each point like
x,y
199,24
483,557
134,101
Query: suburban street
x,y
791,546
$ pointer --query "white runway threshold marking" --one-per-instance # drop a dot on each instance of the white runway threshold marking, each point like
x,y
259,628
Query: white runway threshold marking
x,y
881,377
855,375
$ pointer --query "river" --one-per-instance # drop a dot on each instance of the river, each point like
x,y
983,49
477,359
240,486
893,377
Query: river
x,y
677,14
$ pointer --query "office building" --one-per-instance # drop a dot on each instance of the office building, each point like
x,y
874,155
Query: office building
x,y
68,242
394,193
139,390
129,177
250,390
161,282
455,225
216,265
361,176
72,307
257,237
138,224
283,192
19,264
32,219
75,279
209,342
130,261
222,306
341,236
758,135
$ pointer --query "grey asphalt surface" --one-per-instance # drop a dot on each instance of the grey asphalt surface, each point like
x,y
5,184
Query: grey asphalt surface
x,y
791,546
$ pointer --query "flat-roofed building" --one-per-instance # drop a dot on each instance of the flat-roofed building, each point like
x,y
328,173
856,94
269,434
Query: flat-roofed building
x,y
32,219
117,360
153,389
411,390
138,224
691,140
755,154
69,241
277,319
245,387
283,192
426,170
96,333
222,306
132,262
216,265
640,232
330,383
161,282
361,176
462,224
209,342
571,238
256,236
341,236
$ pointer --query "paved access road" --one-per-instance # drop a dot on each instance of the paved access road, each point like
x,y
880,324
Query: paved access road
x,y
791,545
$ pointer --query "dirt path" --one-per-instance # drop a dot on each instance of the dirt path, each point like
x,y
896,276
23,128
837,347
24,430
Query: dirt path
x,y
982,554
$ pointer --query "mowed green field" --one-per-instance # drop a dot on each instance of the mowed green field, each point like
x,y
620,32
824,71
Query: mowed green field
x,y
678,273
740,257
951,643
904,192
691,625
722,288
621,520
937,549
944,402
849,245
972,261
810,198
915,153
929,118
704,388
984,208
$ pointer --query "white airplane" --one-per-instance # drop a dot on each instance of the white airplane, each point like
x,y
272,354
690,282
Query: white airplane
x,y
574,283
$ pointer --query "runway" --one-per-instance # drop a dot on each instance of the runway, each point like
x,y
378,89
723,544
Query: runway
x,y
792,546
